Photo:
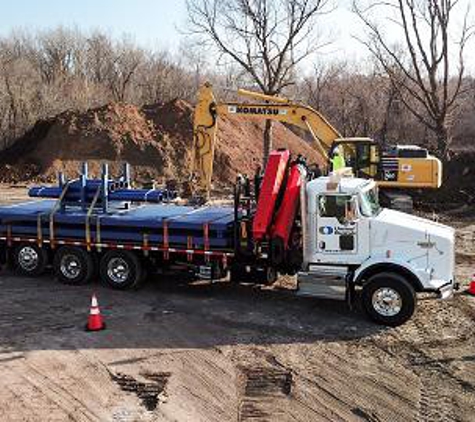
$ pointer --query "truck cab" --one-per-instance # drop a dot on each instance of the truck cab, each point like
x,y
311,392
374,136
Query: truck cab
x,y
351,243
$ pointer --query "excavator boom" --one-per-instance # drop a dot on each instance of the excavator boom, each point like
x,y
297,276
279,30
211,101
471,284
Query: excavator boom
x,y
275,108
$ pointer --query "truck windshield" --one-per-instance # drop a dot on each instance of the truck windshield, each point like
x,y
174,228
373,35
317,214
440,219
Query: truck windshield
x,y
369,203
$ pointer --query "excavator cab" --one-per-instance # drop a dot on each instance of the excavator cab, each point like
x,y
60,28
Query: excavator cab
x,y
362,155
398,167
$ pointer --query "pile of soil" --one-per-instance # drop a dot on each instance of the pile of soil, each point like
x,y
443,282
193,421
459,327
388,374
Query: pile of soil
x,y
155,139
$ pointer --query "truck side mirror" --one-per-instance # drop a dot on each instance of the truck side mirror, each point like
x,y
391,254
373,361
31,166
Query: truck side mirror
x,y
351,210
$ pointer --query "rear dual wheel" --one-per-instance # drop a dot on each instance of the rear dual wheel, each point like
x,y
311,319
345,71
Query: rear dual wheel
x,y
261,275
30,260
121,270
73,266
118,269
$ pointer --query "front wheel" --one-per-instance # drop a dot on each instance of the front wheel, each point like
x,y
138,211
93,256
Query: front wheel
x,y
389,299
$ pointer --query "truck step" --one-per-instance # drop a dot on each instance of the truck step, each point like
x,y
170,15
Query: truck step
x,y
323,282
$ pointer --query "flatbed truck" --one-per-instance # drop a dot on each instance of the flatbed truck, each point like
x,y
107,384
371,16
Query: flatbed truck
x,y
330,232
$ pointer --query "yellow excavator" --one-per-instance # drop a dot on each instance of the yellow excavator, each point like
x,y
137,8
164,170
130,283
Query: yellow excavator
x,y
401,167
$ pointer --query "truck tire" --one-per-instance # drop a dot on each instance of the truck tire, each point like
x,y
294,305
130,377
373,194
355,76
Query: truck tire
x,y
121,270
30,260
265,275
238,274
389,299
73,266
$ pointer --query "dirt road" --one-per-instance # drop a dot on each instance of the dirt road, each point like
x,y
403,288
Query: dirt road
x,y
221,353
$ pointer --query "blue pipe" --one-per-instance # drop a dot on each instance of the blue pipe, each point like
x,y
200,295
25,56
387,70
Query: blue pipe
x,y
136,195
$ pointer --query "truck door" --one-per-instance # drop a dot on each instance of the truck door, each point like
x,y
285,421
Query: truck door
x,y
336,238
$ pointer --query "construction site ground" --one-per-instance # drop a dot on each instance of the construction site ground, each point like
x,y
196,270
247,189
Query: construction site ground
x,y
229,353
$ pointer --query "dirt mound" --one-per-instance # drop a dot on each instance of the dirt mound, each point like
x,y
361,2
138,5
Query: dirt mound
x,y
155,139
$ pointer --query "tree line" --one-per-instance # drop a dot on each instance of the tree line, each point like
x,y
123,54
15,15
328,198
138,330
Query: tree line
x,y
405,93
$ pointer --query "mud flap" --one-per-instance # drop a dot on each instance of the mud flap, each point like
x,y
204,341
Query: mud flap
x,y
350,292
3,254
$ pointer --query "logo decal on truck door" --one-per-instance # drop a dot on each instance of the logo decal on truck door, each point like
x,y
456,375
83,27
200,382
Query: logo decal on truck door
x,y
326,230
345,231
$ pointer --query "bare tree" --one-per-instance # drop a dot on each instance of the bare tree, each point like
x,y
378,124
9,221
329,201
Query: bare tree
x,y
99,52
266,38
126,60
420,69
55,54
320,82
18,83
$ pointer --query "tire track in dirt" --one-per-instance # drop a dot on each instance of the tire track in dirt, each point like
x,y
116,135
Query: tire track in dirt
x,y
425,348
263,388
355,383
147,392
36,396
200,386
56,392
326,383
435,403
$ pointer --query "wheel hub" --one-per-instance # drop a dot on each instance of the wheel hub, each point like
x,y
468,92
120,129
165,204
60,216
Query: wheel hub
x,y
28,258
70,266
118,270
387,301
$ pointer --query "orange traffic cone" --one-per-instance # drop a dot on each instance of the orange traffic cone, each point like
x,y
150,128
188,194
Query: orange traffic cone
x,y
95,322
471,287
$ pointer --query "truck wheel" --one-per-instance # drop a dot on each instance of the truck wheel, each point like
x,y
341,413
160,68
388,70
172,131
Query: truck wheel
x,y
389,299
121,270
30,260
265,275
238,274
73,266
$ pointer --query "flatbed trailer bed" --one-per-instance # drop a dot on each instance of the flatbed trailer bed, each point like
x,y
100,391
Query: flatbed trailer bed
x,y
168,228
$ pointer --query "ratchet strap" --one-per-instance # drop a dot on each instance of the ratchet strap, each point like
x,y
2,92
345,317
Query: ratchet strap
x,y
145,244
56,207
88,218
166,253
206,240
39,231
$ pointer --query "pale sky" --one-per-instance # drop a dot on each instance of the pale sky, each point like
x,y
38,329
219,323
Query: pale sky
x,y
153,23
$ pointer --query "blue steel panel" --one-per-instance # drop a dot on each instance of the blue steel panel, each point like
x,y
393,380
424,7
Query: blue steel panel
x,y
27,210
155,239
116,225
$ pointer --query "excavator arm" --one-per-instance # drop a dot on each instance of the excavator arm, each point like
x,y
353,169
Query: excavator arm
x,y
208,110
